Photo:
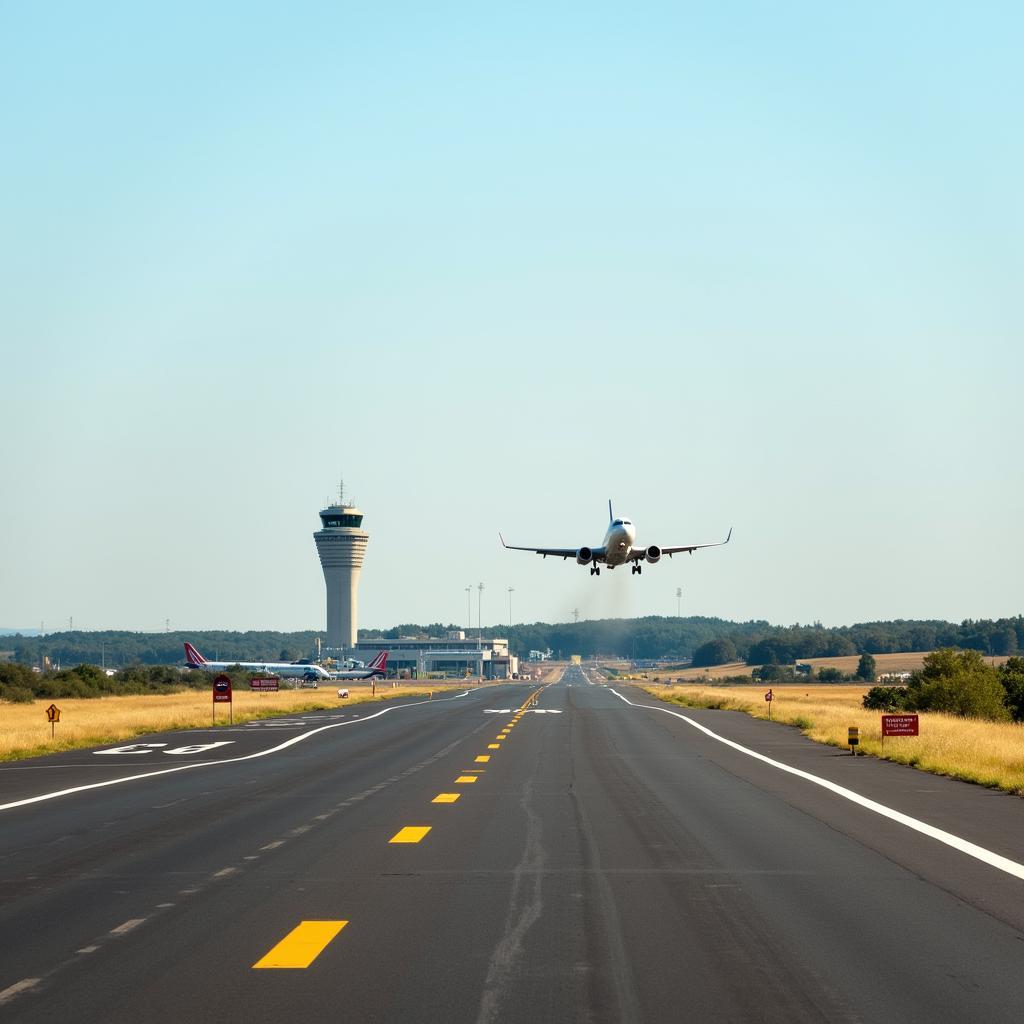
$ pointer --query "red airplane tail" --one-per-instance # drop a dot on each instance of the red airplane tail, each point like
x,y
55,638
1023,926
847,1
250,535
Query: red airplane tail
x,y
380,663
193,657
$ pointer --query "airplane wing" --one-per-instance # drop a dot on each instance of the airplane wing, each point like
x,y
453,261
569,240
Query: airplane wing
x,y
597,554
638,553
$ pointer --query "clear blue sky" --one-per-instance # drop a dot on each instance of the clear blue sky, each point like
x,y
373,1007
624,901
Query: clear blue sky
x,y
739,264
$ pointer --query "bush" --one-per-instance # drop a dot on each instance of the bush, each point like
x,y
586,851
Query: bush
x,y
886,698
830,675
16,694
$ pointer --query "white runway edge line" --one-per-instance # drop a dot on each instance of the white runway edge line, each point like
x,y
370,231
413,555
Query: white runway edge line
x,y
230,760
1011,867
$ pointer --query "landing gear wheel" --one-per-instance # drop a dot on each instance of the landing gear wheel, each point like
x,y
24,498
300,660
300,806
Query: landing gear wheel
x,y
637,568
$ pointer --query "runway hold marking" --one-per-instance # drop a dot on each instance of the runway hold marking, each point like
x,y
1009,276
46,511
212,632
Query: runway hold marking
x,y
446,798
228,760
1011,867
410,834
482,759
301,946
465,780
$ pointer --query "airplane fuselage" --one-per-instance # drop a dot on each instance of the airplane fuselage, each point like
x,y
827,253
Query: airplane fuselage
x,y
618,542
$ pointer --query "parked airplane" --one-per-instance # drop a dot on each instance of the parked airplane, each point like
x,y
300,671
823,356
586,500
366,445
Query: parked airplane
x,y
377,667
617,549
287,669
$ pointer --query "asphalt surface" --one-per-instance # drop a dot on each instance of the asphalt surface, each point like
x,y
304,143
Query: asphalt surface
x,y
610,862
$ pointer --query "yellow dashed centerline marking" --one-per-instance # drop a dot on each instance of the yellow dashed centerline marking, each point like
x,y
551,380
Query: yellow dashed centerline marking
x,y
302,945
465,779
446,798
482,759
410,834
494,746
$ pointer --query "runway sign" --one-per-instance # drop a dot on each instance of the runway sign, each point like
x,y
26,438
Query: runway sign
x,y
899,725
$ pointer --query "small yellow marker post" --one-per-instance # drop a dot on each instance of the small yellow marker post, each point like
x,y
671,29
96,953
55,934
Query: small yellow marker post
x,y
410,834
853,738
302,945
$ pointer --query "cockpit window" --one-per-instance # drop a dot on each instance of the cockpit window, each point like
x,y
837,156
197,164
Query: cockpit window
x,y
618,522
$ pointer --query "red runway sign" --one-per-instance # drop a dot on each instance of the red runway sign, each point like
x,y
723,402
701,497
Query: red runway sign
x,y
899,725
222,689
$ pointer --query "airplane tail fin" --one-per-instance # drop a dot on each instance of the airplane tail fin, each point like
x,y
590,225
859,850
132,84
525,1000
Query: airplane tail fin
x,y
193,657
611,518
379,663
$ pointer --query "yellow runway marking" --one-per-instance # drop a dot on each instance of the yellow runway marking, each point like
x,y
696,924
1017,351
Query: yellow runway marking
x,y
494,746
482,759
302,945
445,798
466,779
410,834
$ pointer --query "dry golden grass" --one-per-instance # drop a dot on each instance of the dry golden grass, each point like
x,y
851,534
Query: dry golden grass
x,y
988,753
25,731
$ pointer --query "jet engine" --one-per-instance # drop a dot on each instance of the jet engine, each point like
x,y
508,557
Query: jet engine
x,y
653,554
584,555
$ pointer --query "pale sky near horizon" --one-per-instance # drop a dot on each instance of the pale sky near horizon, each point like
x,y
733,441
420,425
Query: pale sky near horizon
x,y
737,264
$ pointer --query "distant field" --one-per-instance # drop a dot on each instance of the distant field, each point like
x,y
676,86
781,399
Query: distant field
x,y
25,731
988,753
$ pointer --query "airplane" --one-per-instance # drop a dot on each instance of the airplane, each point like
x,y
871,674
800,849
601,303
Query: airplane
x,y
287,669
377,667
617,549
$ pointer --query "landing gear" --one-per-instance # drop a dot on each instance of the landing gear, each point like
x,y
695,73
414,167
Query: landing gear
x,y
595,571
637,568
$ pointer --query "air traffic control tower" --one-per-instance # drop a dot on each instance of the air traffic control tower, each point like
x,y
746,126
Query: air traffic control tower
x,y
341,545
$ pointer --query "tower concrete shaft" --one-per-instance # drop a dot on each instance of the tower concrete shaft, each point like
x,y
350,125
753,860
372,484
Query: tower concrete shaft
x,y
341,545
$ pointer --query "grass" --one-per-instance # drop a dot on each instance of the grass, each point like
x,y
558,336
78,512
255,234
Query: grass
x,y
987,753
25,731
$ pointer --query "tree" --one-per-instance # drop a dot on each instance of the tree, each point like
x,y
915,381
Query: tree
x,y
1011,675
959,683
714,652
866,668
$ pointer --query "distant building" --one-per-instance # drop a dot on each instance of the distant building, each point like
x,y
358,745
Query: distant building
x,y
452,656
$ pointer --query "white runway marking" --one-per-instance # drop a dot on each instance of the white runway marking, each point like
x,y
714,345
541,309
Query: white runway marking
x,y
995,860
229,760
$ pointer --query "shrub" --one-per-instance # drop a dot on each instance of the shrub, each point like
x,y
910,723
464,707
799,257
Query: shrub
x,y
886,698
16,694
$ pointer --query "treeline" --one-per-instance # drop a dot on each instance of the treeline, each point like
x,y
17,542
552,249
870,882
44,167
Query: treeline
x,y
651,638
19,684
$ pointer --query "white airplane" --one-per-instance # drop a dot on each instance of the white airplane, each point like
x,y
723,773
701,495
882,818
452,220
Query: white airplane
x,y
377,667
288,669
618,548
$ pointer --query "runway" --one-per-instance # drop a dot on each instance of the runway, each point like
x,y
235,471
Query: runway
x,y
519,853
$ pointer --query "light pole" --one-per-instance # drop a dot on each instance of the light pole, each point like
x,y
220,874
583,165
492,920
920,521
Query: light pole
x,y
679,602
479,618
511,590
469,609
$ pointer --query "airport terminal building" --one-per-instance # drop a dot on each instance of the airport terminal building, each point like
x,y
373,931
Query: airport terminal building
x,y
451,656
